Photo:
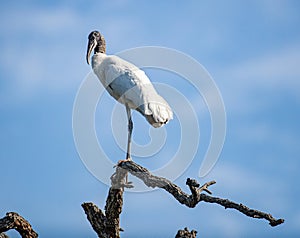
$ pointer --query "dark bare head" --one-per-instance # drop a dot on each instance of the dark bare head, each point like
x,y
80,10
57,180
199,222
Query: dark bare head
x,y
96,43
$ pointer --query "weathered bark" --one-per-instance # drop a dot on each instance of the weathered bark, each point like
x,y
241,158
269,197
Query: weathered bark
x,y
96,217
107,225
13,220
196,192
185,233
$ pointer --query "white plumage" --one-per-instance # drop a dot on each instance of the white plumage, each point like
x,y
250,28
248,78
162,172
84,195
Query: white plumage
x,y
130,85
127,84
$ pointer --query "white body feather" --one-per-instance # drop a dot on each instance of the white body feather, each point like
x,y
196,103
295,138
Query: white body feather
x,y
130,85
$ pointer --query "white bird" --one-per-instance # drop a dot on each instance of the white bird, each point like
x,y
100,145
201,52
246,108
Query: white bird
x,y
127,84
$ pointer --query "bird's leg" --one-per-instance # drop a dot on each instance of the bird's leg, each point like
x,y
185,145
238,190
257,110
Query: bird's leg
x,y
130,127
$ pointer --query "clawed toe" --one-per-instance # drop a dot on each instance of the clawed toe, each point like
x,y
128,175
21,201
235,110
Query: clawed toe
x,y
122,161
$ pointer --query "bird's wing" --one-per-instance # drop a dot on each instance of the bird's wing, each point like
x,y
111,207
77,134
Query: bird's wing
x,y
127,83
130,85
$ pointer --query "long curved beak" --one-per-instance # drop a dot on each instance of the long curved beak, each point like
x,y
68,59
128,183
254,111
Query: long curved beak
x,y
91,46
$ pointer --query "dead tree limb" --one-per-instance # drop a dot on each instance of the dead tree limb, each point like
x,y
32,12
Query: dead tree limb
x,y
13,220
107,225
196,192
185,233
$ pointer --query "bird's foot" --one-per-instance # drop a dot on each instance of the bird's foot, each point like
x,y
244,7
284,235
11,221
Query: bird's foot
x,y
122,161
127,184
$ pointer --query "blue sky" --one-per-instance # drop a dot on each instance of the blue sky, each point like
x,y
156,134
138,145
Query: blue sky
x,y
252,50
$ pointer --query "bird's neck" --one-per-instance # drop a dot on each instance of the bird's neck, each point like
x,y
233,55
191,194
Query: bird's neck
x,y
99,49
101,46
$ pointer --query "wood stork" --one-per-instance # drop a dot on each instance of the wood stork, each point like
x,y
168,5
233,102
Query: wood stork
x,y
127,84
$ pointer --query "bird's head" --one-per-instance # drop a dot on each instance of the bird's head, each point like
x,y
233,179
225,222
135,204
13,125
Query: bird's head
x,y
96,43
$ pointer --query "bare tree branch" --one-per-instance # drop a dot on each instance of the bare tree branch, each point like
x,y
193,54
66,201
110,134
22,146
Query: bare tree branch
x,y
13,220
108,225
196,192
185,233
95,217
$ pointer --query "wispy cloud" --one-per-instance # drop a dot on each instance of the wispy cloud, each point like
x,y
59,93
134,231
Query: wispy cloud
x,y
279,11
38,19
43,48
241,182
277,71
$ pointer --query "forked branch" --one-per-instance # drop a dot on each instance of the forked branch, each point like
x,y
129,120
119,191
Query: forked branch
x,y
107,224
196,195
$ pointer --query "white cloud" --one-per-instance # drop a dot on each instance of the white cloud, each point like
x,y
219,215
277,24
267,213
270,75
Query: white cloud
x,y
40,50
44,48
253,187
275,69
274,73
37,19
277,10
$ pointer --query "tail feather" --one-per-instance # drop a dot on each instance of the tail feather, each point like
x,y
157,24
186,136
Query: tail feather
x,y
160,114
